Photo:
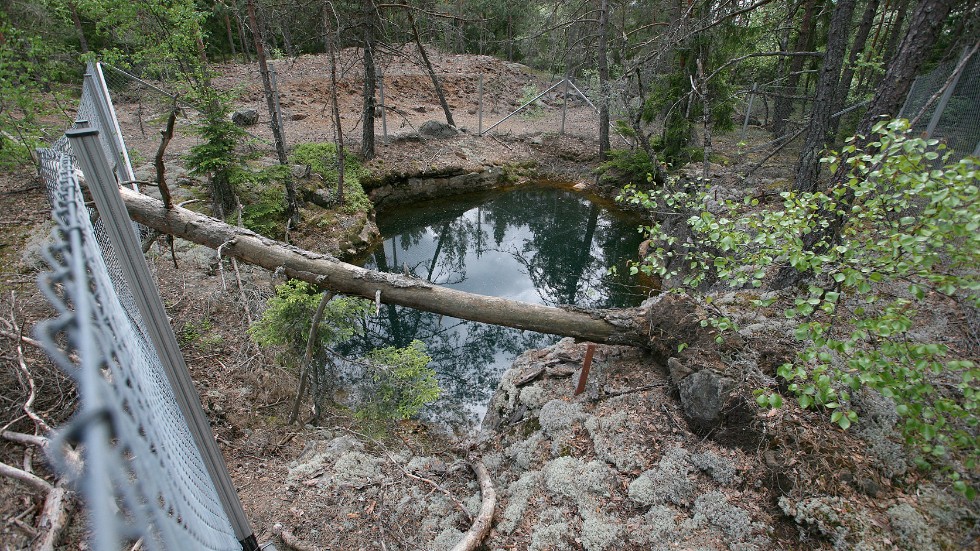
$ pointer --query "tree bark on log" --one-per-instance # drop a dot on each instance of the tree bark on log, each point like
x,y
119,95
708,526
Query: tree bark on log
x,y
613,326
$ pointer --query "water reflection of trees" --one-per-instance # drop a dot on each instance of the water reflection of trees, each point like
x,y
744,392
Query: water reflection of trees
x,y
565,245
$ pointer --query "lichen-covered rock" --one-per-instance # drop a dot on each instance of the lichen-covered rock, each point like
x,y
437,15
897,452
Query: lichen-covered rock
x,y
667,482
319,456
577,480
447,539
556,418
518,495
436,129
733,521
609,440
245,117
911,528
599,532
826,515
551,537
357,468
524,452
721,469
657,525
877,427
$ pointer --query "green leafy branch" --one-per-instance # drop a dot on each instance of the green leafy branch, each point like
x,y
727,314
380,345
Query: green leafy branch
x,y
900,235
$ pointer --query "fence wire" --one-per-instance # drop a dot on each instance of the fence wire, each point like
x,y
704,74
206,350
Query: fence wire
x,y
951,115
142,478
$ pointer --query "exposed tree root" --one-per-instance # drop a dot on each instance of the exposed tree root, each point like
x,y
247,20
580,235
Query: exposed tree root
x,y
481,526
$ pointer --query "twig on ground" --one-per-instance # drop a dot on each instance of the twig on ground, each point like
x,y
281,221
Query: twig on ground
x,y
32,389
35,482
643,388
434,484
293,542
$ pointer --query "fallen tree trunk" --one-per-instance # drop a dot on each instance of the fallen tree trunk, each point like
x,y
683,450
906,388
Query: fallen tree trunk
x,y
602,326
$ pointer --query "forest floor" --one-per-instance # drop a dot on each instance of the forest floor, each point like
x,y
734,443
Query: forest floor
x,y
614,468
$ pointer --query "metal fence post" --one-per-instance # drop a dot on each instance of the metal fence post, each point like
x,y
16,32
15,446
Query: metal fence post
x,y
748,110
944,100
275,101
384,108
564,107
102,184
99,92
479,106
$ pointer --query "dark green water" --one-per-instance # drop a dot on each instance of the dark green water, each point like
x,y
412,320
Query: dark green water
x,y
540,244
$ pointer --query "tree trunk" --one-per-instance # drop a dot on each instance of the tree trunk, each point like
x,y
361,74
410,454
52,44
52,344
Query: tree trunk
x,y
370,84
77,22
338,128
603,326
857,49
274,115
783,109
924,29
231,37
428,66
818,133
241,31
603,80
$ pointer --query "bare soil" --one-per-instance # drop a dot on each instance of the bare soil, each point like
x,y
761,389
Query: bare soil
x,y
347,484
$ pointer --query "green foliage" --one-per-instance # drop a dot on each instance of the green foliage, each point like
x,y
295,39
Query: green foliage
x,y
405,382
322,159
216,154
628,165
910,236
528,93
401,381
289,316
30,66
199,334
264,205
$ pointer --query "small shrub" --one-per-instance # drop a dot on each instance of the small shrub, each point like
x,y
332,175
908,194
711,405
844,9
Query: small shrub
x,y
528,93
289,315
321,157
404,383
628,167
907,231
263,200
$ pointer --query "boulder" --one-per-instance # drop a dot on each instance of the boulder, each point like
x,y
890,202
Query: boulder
x,y
703,395
438,130
245,117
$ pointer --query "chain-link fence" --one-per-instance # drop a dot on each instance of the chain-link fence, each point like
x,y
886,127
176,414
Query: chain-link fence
x,y
144,474
945,104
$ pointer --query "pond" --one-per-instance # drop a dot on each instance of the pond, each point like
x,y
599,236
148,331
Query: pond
x,y
539,243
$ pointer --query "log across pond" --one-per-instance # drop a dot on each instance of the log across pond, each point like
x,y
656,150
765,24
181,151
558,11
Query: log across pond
x,y
615,326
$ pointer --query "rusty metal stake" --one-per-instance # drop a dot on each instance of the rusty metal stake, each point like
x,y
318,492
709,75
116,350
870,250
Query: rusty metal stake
x,y
586,365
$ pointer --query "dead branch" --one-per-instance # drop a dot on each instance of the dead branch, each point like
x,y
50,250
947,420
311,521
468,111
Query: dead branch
x,y
35,482
308,356
32,389
481,526
293,542
165,136
54,517
72,458
434,484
